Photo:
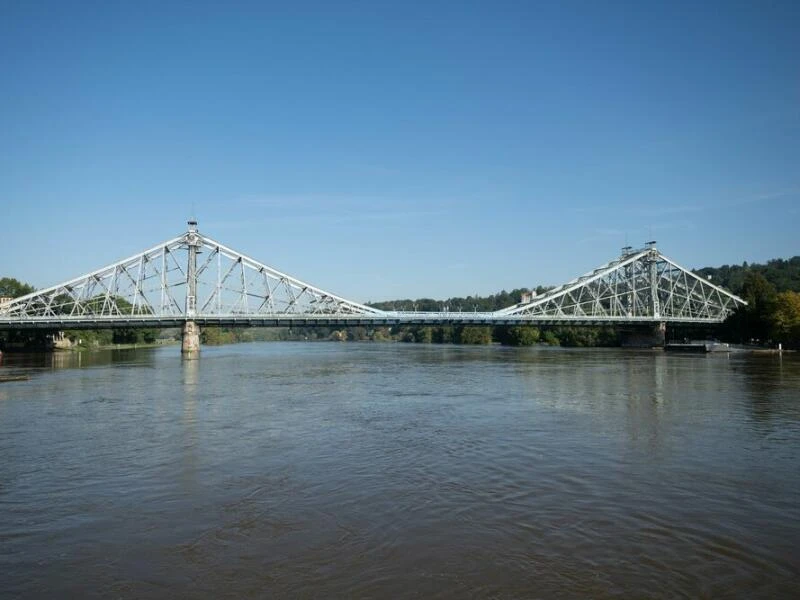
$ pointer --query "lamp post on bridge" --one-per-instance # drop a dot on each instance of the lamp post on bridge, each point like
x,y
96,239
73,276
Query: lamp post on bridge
x,y
190,339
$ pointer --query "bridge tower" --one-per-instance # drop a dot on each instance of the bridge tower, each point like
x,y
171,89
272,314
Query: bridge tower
x,y
190,340
652,268
659,329
652,334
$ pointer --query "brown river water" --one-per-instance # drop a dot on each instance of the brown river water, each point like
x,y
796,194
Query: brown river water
x,y
369,470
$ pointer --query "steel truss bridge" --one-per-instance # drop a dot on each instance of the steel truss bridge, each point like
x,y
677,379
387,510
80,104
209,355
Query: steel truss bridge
x,y
195,279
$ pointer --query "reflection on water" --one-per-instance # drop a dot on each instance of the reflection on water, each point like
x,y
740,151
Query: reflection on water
x,y
190,370
386,470
30,362
772,382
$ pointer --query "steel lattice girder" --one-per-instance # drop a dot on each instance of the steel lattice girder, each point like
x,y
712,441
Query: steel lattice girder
x,y
152,287
154,284
640,284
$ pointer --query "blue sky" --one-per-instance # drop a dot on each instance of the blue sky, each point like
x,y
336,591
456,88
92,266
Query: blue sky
x,y
391,150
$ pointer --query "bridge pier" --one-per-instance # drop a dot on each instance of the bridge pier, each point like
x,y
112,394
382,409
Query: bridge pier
x,y
644,336
190,339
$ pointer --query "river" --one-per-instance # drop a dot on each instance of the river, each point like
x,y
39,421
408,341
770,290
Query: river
x,y
382,470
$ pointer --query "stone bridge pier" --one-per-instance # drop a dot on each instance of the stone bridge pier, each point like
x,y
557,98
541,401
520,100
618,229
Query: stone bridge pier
x,y
190,339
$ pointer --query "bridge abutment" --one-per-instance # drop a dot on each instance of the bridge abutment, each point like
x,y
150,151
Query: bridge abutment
x,y
190,339
644,336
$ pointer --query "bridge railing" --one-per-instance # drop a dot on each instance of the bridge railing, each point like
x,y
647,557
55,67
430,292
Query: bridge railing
x,y
320,320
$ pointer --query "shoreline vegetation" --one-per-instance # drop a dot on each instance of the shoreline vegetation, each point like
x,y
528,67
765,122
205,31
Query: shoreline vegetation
x,y
771,317
80,348
464,335
341,336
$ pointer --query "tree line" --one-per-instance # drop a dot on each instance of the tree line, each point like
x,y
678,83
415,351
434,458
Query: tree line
x,y
772,293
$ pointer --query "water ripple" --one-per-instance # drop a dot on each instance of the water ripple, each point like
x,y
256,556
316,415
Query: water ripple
x,y
384,470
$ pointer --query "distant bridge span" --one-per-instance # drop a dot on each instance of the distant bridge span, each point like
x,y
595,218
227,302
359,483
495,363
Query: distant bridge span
x,y
193,280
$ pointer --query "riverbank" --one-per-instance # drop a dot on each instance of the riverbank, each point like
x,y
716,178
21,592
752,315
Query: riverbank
x,y
80,348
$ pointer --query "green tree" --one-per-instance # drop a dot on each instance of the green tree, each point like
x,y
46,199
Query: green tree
x,y
754,321
90,338
786,318
518,336
214,336
356,334
211,336
549,338
126,335
14,288
474,335
424,335
443,335
380,334
148,336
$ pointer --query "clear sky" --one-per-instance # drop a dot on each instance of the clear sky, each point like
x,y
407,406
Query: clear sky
x,y
405,149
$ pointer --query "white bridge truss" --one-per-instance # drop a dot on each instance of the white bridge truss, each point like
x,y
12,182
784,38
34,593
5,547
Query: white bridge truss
x,y
640,284
194,278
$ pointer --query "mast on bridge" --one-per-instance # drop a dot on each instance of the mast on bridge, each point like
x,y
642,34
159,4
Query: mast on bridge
x,y
190,339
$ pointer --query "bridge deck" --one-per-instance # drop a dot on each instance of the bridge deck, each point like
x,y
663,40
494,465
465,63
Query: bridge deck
x,y
389,319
